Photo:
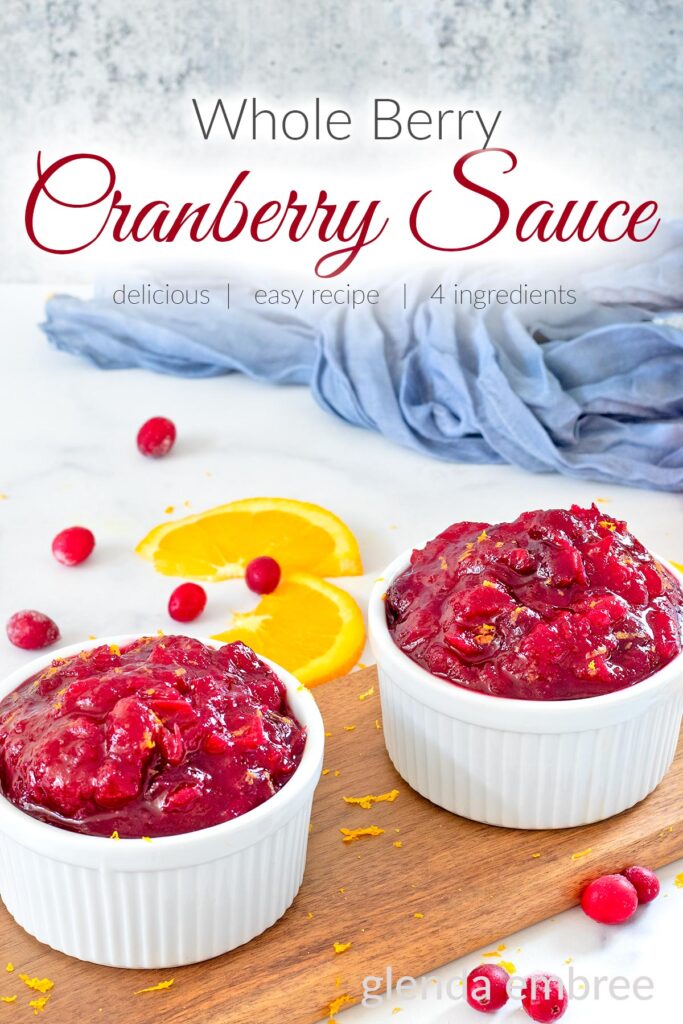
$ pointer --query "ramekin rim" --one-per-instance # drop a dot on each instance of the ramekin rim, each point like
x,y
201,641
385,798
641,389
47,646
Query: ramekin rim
x,y
31,830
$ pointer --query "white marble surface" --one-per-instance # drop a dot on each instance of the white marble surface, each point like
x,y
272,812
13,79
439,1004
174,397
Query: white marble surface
x,y
68,456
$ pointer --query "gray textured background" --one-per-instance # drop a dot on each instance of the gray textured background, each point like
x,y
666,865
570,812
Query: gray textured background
x,y
603,78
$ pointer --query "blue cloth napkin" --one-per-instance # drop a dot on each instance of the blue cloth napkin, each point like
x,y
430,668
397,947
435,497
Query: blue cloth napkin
x,y
593,390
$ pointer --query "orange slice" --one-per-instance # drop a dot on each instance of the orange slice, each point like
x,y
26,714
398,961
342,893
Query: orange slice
x,y
310,627
218,544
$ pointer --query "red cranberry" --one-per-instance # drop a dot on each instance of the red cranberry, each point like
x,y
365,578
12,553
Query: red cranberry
x,y
610,899
31,630
187,602
644,881
487,988
156,437
544,997
73,546
215,742
263,575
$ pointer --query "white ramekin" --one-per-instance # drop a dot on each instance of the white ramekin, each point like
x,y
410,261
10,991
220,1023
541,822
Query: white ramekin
x,y
172,901
522,763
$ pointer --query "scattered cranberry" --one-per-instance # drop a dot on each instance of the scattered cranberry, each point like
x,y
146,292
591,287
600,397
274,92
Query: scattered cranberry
x,y
644,881
263,575
73,546
487,988
610,899
156,437
187,602
544,997
31,630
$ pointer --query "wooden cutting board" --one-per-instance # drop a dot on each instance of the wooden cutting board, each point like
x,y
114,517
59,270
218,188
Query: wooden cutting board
x,y
471,883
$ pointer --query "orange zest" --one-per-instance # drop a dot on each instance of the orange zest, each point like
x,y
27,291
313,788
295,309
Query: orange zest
x,y
350,835
159,987
37,984
336,1005
366,802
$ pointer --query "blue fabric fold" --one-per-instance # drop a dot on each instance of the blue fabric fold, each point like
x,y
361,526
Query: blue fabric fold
x,y
593,390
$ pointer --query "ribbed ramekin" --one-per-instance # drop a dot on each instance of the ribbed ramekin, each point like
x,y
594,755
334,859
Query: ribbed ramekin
x,y
172,901
523,763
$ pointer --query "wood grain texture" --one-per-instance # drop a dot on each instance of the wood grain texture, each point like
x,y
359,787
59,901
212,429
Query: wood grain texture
x,y
472,883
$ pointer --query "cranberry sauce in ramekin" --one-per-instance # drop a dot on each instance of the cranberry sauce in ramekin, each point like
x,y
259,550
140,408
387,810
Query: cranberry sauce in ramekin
x,y
557,605
162,736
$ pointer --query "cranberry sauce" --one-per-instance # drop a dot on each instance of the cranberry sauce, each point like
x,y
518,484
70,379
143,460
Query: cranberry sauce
x,y
161,737
554,606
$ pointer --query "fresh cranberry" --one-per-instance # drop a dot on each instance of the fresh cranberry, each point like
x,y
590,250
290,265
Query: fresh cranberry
x,y
544,997
263,575
487,988
610,899
31,630
187,602
73,546
156,437
644,881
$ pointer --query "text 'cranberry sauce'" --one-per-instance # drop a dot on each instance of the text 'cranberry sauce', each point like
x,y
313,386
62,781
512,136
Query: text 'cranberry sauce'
x,y
163,736
557,605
